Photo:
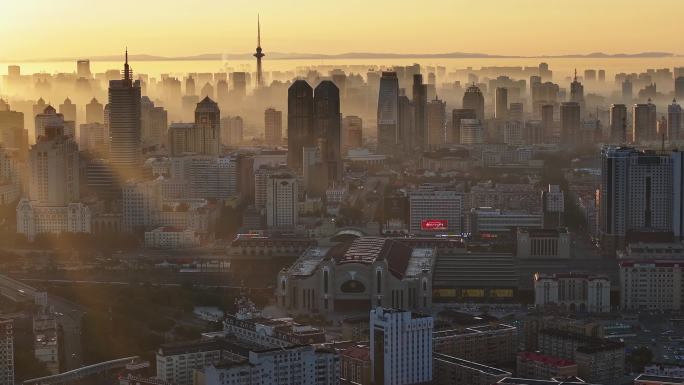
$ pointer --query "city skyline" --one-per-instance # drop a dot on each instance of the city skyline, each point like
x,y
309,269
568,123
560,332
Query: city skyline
x,y
380,27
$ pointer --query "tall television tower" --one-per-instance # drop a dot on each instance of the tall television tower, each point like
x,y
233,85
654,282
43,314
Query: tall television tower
x,y
258,55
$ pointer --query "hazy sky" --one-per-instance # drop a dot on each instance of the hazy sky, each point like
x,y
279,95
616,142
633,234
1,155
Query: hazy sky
x,y
71,28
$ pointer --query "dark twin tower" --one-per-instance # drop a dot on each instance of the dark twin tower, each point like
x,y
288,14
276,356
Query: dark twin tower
x,y
314,119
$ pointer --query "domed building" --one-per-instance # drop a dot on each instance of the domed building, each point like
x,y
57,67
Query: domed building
x,y
356,275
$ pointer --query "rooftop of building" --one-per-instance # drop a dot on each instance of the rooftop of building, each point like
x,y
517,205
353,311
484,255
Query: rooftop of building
x,y
402,259
473,330
357,352
492,371
570,275
545,359
649,378
588,344
528,381
543,233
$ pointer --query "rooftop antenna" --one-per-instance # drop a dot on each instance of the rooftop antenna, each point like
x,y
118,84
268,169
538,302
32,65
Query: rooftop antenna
x,y
127,70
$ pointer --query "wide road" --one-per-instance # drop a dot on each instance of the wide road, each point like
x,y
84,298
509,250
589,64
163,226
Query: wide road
x,y
69,317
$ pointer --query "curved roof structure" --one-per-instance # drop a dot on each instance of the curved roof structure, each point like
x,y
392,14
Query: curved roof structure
x,y
367,250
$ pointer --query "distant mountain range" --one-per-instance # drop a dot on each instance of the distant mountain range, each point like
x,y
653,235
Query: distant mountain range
x,y
359,55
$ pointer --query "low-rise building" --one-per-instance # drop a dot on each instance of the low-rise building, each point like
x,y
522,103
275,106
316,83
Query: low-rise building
x,y
451,370
355,366
543,367
357,275
543,243
652,284
573,291
494,344
299,364
170,238
34,218
599,360
487,220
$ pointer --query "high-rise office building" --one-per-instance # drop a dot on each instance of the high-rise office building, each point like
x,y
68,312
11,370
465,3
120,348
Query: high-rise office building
x,y
12,132
456,116
501,103
207,129
401,347
190,88
627,91
300,122
39,107
327,127
618,123
679,88
436,123
232,130
577,92
53,169
239,84
68,109
570,121
273,127
419,137
405,122
516,112
473,99
124,125
153,123
674,121
258,55
83,69
282,210
352,133
94,112
636,194
548,123
6,352
388,113
644,122
49,118
471,131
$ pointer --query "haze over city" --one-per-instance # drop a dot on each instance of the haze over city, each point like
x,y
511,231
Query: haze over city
x,y
341,192
184,27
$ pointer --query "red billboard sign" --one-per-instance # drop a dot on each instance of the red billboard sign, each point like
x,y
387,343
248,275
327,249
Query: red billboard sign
x,y
434,224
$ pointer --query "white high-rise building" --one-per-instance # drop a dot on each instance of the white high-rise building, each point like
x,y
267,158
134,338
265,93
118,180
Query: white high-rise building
x,y
282,200
435,212
471,131
636,194
53,169
53,205
401,347
6,352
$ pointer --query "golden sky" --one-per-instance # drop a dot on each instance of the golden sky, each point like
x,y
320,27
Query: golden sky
x,y
78,28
